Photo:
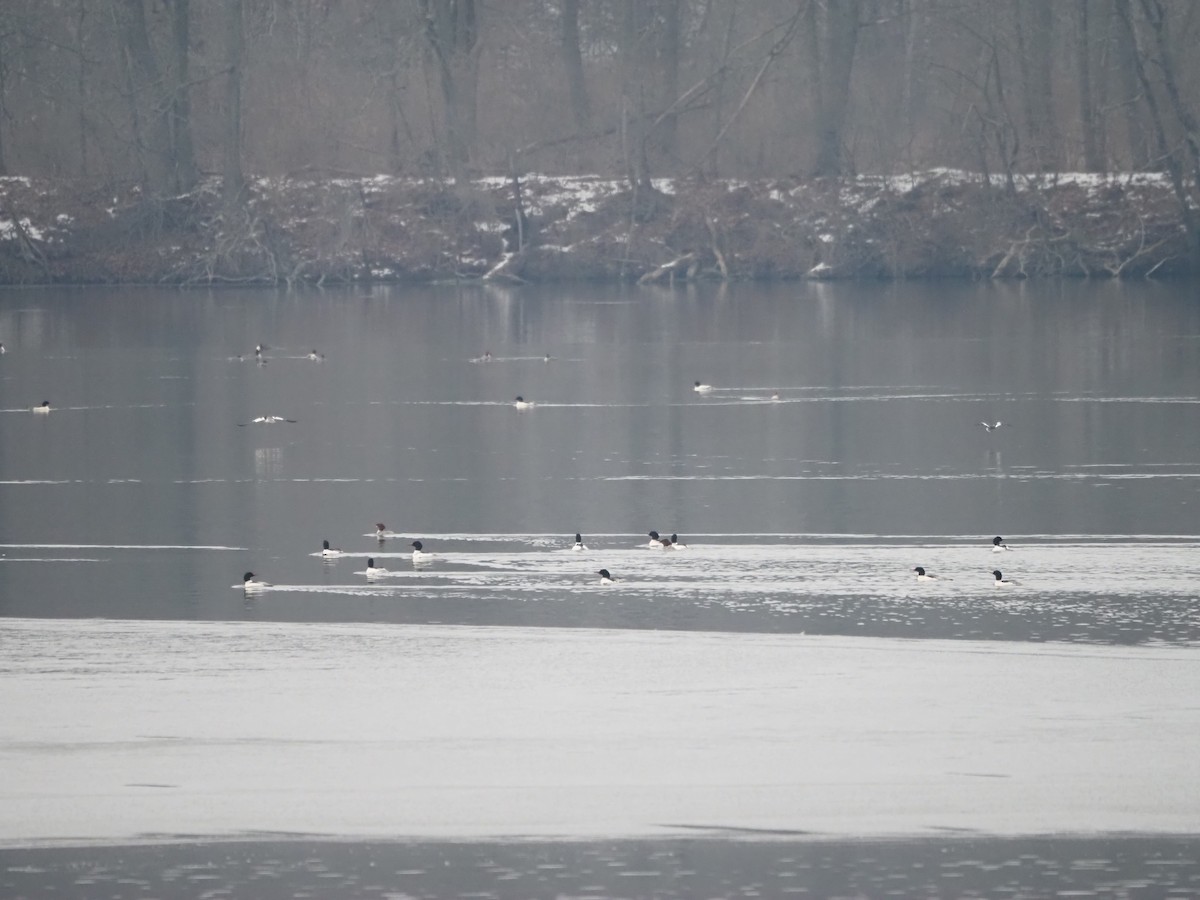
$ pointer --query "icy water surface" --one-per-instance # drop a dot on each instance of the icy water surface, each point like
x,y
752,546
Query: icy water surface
x,y
839,446
776,866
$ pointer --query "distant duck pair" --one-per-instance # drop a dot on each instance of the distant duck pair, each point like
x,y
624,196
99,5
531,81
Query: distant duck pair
x,y
662,543
1000,580
418,556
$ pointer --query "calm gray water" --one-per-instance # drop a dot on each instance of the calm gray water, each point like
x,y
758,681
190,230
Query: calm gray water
x,y
140,495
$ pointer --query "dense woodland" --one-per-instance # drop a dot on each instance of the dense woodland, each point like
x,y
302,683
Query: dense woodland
x,y
170,95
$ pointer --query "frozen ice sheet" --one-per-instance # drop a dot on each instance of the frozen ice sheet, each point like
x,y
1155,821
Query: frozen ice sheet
x,y
123,730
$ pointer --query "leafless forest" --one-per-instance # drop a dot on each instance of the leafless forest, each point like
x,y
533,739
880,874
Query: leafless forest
x,y
164,94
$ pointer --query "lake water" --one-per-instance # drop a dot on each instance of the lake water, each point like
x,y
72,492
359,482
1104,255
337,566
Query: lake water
x,y
839,447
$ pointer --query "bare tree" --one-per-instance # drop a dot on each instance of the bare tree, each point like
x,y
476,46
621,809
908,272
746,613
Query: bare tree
x,y
1170,155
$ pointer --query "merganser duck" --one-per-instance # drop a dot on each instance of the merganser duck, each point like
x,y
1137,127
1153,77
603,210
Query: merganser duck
x,y
998,545
921,576
316,357
3,350
701,388
374,570
328,552
605,577
548,358
1000,580
265,420
420,555
675,544
655,541
522,403
250,584
991,426
44,408
382,532
579,545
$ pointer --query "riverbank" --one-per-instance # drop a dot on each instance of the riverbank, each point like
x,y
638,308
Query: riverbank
x,y
351,230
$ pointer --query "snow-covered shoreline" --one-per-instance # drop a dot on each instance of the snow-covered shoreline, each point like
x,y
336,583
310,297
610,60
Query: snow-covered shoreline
x,y
309,229
119,731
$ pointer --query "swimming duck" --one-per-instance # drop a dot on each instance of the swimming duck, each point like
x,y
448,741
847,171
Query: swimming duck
x,y
922,576
374,570
579,545
43,409
250,584
676,544
382,532
522,403
605,577
991,426
1000,580
316,357
655,541
420,555
265,420
328,552
700,388
998,545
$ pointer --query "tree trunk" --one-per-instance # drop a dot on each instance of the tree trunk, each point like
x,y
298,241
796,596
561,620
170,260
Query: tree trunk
x,y
573,64
841,38
451,29
671,37
1087,109
183,155
81,86
148,104
712,158
1137,133
234,180
3,113
392,56
916,36
633,98
1037,87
